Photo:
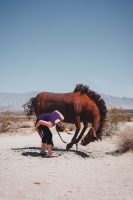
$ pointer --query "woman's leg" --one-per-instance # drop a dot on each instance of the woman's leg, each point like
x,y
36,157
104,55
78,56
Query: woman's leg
x,y
49,141
43,148
47,138
49,150
44,141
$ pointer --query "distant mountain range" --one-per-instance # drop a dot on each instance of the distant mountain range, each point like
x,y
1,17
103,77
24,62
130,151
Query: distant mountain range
x,y
118,102
14,101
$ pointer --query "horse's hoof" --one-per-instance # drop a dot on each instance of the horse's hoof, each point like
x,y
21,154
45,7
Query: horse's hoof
x,y
68,146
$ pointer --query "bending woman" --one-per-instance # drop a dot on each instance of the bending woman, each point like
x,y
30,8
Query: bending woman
x,y
44,122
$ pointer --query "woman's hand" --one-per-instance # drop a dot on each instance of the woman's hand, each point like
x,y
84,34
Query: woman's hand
x,y
44,123
50,125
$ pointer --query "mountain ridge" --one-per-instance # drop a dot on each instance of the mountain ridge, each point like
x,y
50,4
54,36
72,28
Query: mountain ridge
x,y
14,101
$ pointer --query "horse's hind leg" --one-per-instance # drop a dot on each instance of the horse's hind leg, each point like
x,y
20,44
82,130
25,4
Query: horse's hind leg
x,y
94,133
95,127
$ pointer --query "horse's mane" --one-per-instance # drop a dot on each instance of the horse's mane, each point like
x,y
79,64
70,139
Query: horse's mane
x,y
84,89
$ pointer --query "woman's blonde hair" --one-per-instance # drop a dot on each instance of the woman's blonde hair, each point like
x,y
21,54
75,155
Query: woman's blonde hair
x,y
60,127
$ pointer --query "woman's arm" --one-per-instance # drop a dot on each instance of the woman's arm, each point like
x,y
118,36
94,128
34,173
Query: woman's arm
x,y
45,123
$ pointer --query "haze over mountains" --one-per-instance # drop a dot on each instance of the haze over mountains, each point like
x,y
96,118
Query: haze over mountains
x,y
14,101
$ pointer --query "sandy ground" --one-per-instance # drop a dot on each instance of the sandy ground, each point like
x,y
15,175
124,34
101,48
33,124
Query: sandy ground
x,y
94,172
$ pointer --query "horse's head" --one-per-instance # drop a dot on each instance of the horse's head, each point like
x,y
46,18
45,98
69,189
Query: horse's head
x,y
88,138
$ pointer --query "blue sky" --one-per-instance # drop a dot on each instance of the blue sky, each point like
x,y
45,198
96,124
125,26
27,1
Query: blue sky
x,y
51,45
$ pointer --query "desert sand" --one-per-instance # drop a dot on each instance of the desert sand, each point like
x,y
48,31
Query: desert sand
x,y
94,172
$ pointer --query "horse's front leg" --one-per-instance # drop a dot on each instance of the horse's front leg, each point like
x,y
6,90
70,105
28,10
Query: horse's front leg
x,y
82,132
78,126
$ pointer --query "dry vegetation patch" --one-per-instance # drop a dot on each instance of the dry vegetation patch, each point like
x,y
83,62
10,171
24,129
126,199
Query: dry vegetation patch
x,y
125,139
114,119
12,122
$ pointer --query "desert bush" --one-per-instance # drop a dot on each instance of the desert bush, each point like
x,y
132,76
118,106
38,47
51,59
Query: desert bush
x,y
115,117
129,117
10,122
13,117
5,127
125,139
24,125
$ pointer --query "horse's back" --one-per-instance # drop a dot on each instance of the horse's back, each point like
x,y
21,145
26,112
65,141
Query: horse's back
x,y
55,97
48,102
69,104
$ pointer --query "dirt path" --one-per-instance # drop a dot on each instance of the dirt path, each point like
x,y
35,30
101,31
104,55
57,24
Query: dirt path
x,y
95,172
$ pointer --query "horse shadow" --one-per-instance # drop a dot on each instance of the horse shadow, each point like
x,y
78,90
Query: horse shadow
x,y
77,152
114,153
33,151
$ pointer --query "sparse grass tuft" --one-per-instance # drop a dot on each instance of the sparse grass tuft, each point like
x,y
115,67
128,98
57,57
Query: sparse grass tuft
x,y
115,117
5,127
125,139
11,122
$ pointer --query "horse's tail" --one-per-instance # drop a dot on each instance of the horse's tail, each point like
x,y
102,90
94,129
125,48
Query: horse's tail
x,y
102,108
84,89
29,107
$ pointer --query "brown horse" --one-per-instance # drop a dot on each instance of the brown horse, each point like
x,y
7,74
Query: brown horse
x,y
81,105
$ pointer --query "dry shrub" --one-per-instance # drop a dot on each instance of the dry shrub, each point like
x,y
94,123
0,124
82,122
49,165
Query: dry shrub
x,y
115,117
12,116
24,125
125,139
11,122
5,127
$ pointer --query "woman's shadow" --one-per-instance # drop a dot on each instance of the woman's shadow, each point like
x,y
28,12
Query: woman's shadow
x,y
28,151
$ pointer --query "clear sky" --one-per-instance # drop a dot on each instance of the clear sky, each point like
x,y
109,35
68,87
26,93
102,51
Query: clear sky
x,y
51,45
